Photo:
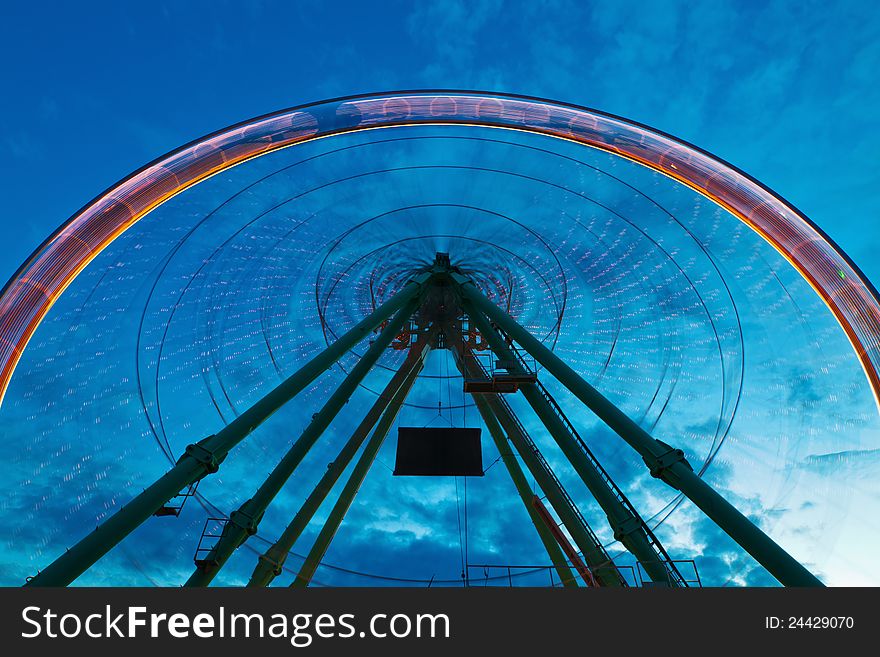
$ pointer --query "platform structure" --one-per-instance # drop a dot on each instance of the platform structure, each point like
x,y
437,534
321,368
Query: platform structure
x,y
441,307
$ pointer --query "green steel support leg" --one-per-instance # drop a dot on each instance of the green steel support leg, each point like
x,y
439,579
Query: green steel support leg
x,y
204,458
526,495
664,462
627,528
593,552
243,523
588,544
272,561
346,497
515,471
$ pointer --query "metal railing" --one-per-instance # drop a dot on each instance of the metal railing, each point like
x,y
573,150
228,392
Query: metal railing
x,y
511,575
672,566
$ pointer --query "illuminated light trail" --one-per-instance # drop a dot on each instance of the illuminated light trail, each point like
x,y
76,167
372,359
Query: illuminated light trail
x,y
31,292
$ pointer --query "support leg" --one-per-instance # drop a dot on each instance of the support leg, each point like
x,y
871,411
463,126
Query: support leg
x,y
469,368
525,493
346,497
243,522
588,543
204,457
664,462
272,561
628,526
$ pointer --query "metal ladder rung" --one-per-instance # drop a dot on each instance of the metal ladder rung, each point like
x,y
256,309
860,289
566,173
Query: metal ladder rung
x,y
212,524
169,509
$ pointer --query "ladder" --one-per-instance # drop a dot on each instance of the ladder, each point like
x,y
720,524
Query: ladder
x,y
211,533
175,505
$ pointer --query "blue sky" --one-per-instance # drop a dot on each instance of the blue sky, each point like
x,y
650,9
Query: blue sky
x,y
786,91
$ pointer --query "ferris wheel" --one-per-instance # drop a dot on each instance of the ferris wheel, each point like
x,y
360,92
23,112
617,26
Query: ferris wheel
x,y
608,359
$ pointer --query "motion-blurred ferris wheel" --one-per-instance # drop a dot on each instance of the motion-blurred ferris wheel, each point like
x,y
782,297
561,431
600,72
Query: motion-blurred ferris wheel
x,y
611,360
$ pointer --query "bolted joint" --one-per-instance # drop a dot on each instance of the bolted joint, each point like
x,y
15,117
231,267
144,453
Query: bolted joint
x,y
661,465
200,453
623,528
244,520
271,564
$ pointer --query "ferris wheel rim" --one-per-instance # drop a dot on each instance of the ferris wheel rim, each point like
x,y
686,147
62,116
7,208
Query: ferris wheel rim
x,y
864,320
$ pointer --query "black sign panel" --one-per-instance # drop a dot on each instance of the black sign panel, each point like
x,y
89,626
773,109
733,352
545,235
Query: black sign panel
x,y
438,451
